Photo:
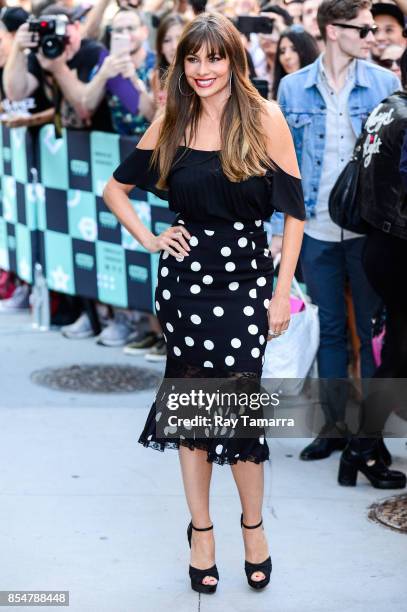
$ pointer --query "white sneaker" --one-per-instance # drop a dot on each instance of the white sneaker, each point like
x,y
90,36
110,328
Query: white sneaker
x,y
19,301
158,352
81,328
117,332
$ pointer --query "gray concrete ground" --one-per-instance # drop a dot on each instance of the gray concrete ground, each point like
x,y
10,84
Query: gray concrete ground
x,y
85,508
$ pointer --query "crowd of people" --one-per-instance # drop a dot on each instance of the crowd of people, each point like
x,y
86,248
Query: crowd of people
x,y
328,65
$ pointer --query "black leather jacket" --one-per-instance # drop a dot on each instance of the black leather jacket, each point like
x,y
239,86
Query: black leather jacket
x,y
383,197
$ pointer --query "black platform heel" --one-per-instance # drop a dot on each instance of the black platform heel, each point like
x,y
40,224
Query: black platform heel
x,y
371,464
197,575
250,568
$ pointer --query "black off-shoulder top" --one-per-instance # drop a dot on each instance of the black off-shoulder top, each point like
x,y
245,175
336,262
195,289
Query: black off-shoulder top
x,y
199,190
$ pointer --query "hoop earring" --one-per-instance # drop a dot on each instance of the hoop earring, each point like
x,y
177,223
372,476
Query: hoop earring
x,y
179,87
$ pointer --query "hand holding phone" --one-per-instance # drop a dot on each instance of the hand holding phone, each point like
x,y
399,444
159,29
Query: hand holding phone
x,y
120,44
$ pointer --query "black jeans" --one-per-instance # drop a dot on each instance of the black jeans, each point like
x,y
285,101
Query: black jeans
x,y
385,260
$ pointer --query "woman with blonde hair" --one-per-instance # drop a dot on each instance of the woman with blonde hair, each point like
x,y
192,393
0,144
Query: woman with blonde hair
x,y
224,159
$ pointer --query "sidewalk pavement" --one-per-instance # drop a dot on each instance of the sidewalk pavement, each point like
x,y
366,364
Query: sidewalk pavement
x,y
85,508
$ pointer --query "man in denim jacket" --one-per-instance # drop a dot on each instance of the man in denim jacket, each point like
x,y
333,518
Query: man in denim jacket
x,y
326,104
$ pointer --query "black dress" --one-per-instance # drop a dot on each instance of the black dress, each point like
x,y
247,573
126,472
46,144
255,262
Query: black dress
x,y
212,305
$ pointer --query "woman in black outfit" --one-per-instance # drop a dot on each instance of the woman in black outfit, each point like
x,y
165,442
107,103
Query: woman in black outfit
x,y
383,189
224,159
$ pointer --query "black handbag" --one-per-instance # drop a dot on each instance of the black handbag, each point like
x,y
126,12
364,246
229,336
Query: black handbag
x,y
344,200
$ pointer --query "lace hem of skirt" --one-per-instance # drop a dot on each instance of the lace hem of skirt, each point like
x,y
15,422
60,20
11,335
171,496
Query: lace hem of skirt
x,y
219,450
195,445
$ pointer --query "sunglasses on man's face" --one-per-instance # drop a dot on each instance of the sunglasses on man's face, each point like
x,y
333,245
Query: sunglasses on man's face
x,y
389,63
363,30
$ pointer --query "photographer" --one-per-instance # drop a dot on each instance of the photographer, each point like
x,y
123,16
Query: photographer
x,y
58,82
10,20
123,76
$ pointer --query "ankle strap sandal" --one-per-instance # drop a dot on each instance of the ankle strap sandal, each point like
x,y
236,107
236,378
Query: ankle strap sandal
x,y
197,575
250,568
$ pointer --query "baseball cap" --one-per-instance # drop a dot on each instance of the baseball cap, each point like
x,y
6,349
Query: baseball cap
x,y
57,9
12,17
382,8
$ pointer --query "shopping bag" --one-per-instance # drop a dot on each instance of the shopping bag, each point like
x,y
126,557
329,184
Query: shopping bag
x,y
377,345
289,358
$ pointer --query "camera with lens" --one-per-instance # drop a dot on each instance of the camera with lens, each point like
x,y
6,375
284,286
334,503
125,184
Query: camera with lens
x,y
53,35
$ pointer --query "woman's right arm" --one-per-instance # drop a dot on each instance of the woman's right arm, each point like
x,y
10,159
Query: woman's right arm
x,y
116,196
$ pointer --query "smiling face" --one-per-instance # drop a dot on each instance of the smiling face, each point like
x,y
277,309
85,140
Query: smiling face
x,y
207,72
288,56
348,40
170,41
389,32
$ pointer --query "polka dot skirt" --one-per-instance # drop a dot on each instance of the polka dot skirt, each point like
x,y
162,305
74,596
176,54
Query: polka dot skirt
x,y
212,306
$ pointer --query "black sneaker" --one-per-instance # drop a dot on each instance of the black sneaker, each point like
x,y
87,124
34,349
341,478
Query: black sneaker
x,y
143,344
158,352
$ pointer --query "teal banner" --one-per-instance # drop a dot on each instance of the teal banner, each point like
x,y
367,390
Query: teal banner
x,y
57,216
18,224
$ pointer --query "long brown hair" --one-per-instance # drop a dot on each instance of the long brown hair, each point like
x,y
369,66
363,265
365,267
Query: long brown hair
x,y
243,144
166,24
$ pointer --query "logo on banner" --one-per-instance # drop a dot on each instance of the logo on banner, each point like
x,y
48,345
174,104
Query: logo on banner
x,y
53,144
79,167
138,273
59,279
88,229
85,261
106,281
74,199
107,219
7,154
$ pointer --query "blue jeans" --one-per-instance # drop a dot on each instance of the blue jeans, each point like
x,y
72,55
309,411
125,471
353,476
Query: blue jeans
x,y
325,266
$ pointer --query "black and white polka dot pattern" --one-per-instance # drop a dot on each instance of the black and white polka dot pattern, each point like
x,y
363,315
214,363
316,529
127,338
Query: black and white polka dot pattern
x,y
223,289
212,306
